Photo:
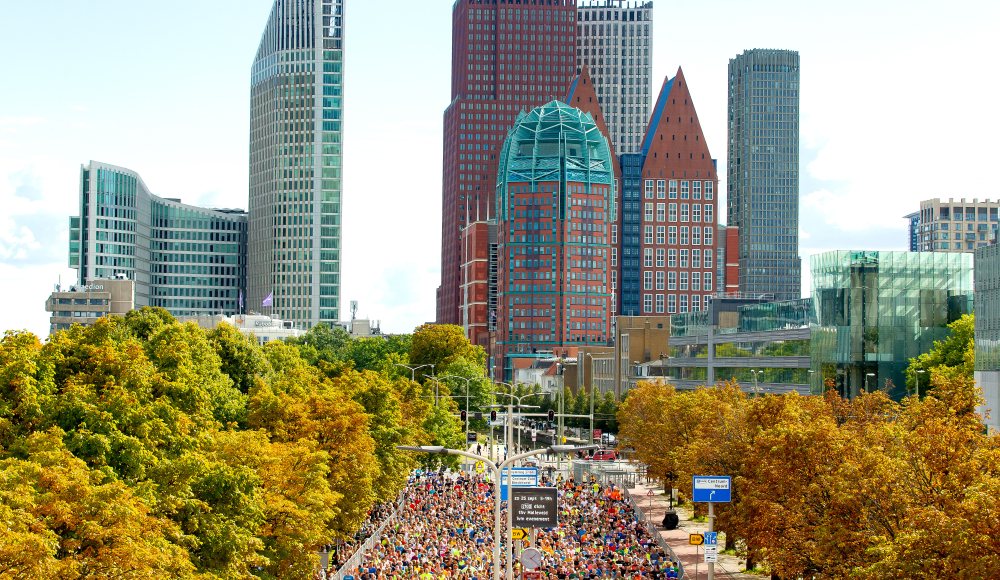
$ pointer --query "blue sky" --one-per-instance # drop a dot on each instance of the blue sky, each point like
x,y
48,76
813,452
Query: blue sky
x,y
898,105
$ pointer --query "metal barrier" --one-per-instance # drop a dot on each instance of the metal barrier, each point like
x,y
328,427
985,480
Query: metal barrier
x,y
354,560
651,528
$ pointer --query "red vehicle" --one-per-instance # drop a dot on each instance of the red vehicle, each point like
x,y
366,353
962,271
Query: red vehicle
x,y
604,455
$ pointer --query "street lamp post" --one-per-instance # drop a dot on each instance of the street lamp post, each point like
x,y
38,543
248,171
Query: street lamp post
x,y
497,470
756,386
917,380
413,369
866,380
510,409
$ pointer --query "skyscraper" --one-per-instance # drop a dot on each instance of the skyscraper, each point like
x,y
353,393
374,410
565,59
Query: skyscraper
x,y
187,259
555,207
296,129
763,176
615,42
508,56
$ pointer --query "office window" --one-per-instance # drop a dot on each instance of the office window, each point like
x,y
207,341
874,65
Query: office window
x,y
695,301
672,235
684,212
672,212
660,186
684,281
647,236
708,213
708,258
696,212
647,303
673,189
671,303
685,193
684,235
661,234
647,257
684,258
671,280
696,235
696,258
649,189
684,303
695,190
659,257
671,258
659,303
708,235
659,280
696,281
708,281
647,280
649,211
709,187
661,212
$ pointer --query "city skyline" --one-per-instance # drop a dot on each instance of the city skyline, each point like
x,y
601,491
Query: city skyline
x,y
127,97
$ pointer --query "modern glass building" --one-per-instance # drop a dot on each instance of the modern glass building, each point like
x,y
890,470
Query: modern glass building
x,y
187,259
296,130
763,170
555,203
615,43
987,307
870,313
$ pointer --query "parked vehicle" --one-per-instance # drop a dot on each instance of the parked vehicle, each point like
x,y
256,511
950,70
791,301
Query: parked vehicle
x,y
604,455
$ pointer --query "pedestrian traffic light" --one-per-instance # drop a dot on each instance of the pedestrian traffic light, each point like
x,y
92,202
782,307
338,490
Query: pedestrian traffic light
x,y
552,415
464,415
493,415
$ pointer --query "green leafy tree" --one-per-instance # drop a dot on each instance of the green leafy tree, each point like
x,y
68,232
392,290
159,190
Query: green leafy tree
x,y
956,351
441,345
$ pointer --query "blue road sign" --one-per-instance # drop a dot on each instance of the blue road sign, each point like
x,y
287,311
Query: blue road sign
x,y
712,488
521,477
711,538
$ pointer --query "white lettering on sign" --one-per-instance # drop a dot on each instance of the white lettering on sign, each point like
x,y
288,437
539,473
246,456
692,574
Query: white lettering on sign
x,y
263,323
711,483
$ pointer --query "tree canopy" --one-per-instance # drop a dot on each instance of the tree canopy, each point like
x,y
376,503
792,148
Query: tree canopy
x,y
143,447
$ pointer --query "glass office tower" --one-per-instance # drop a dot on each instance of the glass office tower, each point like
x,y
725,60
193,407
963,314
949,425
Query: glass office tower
x,y
187,259
296,129
763,168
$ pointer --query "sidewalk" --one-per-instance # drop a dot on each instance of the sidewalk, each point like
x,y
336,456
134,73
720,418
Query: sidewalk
x,y
692,557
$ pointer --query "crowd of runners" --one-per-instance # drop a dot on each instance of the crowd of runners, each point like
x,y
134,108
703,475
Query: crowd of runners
x,y
444,530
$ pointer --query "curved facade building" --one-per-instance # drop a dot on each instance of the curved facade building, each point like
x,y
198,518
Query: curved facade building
x,y
187,259
555,204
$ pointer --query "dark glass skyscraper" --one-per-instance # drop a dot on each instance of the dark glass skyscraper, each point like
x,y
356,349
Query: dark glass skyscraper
x,y
296,125
764,170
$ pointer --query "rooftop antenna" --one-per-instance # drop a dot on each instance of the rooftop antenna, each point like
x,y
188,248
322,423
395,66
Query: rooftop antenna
x,y
354,309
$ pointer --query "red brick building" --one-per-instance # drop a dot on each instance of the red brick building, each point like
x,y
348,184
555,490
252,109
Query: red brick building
x,y
508,56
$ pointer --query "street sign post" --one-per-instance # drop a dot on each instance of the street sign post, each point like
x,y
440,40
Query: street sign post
x,y
712,488
534,507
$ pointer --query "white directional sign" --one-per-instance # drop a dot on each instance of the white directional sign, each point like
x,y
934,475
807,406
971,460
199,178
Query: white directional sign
x,y
711,553
519,477
712,488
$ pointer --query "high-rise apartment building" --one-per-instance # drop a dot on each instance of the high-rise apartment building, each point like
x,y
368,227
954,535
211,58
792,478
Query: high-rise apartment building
x,y
187,259
296,130
555,207
508,56
615,42
955,225
763,176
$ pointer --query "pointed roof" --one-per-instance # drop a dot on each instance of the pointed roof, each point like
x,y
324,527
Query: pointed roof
x,y
583,95
674,138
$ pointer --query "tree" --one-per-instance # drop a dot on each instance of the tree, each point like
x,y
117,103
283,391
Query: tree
x,y
956,351
242,359
440,345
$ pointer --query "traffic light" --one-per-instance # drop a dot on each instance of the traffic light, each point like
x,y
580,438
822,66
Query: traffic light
x,y
464,415
493,415
552,415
